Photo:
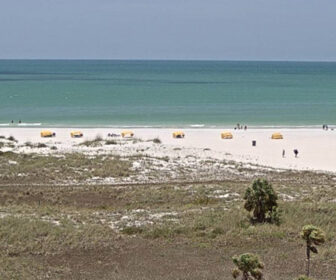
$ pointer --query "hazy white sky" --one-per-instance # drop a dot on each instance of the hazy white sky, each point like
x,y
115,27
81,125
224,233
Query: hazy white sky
x,y
170,29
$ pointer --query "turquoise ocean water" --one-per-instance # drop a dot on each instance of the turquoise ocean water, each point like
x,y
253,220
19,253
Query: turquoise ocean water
x,y
166,93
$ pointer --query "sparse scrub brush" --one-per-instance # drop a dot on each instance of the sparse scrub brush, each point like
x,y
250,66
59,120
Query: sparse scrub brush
x,y
98,138
29,144
111,142
303,277
11,138
41,145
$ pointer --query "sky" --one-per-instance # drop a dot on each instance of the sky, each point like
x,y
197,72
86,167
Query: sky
x,y
168,29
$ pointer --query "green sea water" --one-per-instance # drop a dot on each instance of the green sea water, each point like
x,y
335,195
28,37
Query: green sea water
x,y
166,93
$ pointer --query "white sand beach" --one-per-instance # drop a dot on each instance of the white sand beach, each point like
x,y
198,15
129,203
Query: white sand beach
x,y
317,147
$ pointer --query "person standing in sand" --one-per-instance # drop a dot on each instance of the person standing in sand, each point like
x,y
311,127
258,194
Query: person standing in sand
x,y
296,152
283,153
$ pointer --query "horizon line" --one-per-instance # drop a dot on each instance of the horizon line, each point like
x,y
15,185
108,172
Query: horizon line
x,y
159,59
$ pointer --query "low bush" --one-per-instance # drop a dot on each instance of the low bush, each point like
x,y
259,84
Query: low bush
x,y
157,140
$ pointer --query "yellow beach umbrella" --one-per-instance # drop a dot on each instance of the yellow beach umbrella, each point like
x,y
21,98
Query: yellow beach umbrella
x,y
127,133
47,133
76,134
178,134
277,135
226,135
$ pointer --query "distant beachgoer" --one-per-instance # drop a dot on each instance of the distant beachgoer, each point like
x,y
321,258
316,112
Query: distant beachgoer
x,y
19,121
296,152
12,121
245,127
283,153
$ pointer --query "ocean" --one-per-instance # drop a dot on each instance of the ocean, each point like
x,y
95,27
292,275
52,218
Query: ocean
x,y
103,93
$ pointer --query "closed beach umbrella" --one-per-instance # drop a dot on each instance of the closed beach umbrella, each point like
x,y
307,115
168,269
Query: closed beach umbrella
x,y
47,133
76,134
178,134
127,133
277,135
226,135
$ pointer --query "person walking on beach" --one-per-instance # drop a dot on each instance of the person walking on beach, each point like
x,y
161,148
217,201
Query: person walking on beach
x,y
296,152
283,153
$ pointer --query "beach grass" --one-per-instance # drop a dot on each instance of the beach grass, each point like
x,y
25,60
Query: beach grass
x,y
96,142
28,168
50,222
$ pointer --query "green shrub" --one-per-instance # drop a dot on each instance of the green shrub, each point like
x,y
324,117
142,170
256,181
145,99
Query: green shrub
x,y
249,266
261,199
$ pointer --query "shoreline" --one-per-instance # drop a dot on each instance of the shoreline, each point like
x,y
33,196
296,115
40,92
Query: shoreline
x,y
184,126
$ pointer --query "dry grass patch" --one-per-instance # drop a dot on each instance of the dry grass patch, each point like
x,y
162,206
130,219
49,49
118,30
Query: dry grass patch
x,y
166,230
69,167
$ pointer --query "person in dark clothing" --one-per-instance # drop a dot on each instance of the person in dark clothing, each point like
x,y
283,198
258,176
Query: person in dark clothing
x,y
296,152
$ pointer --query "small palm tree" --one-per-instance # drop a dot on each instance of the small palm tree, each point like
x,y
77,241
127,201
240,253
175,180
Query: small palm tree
x,y
262,200
313,236
249,265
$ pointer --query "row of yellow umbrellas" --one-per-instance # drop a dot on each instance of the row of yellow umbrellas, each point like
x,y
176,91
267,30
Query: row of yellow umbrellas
x,y
225,135
78,134
129,133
